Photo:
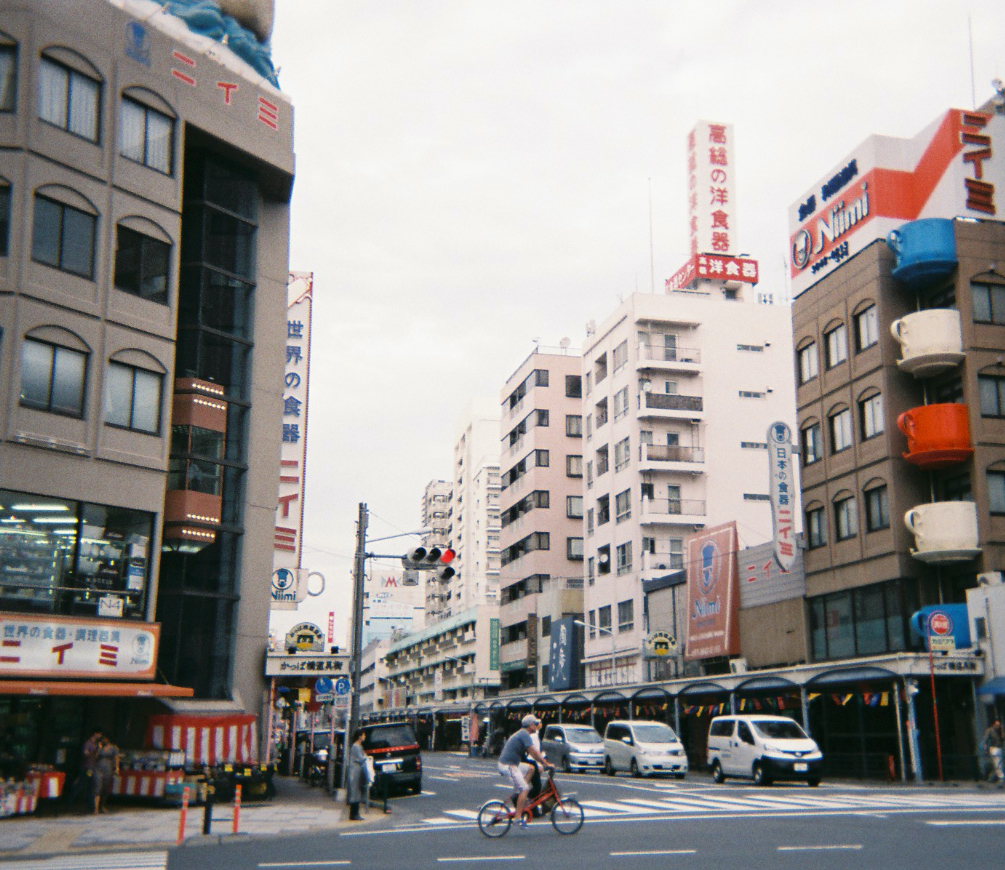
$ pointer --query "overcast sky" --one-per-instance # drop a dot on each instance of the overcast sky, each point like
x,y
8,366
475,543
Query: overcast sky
x,y
475,176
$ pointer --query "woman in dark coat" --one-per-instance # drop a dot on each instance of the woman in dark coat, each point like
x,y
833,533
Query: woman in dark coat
x,y
106,767
358,784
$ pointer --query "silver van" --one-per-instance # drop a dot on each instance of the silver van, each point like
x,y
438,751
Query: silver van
x,y
573,747
643,748
763,748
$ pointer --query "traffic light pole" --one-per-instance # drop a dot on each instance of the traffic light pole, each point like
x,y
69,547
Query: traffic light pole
x,y
359,566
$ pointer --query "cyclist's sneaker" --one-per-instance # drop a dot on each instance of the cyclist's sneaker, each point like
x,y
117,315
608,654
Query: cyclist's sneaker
x,y
522,823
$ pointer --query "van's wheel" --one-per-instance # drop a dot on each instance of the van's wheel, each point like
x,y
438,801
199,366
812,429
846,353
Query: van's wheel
x,y
717,775
566,767
760,777
608,767
635,769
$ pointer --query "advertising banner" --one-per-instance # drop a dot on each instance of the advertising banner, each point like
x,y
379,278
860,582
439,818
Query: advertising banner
x,y
67,648
781,491
563,667
493,644
946,171
711,189
713,594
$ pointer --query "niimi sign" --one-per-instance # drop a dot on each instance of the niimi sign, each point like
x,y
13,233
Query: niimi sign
x,y
948,170
712,594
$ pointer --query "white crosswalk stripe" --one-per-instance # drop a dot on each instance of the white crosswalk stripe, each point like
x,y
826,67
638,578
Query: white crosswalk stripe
x,y
103,861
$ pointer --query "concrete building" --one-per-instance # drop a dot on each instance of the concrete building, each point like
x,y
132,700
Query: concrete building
x,y
394,602
145,177
474,512
436,520
678,393
541,509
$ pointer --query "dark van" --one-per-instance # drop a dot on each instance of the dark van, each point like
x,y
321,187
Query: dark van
x,y
395,752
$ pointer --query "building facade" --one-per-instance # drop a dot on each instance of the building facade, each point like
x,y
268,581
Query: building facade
x,y
143,267
436,522
541,510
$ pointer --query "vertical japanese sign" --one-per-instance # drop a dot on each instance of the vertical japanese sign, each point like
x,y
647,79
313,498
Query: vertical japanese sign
x,y
781,492
287,551
711,187
713,594
493,644
563,665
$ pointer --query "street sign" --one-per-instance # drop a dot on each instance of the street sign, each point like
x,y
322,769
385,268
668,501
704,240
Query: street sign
x,y
342,686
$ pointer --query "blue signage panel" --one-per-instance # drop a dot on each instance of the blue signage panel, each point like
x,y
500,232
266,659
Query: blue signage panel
x,y
566,644
941,627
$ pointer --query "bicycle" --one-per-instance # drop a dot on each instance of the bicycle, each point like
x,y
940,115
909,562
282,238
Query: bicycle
x,y
495,817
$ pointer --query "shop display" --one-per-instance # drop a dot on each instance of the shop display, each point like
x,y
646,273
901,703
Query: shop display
x,y
17,798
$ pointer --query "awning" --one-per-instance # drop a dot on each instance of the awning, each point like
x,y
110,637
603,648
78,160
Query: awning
x,y
842,676
766,684
94,689
994,686
205,739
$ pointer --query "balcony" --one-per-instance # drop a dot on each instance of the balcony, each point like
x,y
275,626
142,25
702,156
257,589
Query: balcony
x,y
937,435
931,341
681,360
670,406
926,251
661,457
685,512
944,531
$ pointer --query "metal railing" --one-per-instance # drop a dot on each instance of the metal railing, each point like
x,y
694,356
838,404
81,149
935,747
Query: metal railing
x,y
660,353
673,402
671,453
673,506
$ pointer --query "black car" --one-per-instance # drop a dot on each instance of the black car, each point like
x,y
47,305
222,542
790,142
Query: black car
x,y
397,761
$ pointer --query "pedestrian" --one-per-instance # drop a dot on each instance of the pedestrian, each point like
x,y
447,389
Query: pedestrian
x,y
82,790
994,741
357,776
106,768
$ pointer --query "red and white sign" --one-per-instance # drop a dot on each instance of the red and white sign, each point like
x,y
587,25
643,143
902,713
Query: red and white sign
x,y
69,648
713,594
145,783
940,624
946,171
713,268
711,189
205,739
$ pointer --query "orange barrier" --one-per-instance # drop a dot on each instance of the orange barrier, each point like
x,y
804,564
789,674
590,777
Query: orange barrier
x,y
237,806
184,814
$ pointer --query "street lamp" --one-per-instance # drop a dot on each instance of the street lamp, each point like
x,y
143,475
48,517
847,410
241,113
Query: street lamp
x,y
614,668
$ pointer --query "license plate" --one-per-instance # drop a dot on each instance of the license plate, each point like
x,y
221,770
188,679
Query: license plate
x,y
800,767
388,766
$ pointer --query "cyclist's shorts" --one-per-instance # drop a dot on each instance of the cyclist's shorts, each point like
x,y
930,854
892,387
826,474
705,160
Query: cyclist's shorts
x,y
515,774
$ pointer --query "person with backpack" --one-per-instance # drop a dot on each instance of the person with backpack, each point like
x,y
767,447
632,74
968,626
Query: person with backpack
x,y
994,741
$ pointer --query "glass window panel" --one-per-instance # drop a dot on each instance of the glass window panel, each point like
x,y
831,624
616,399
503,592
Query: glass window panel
x,y
78,242
839,628
996,491
84,99
981,302
4,218
133,130
870,620
154,280
36,373
990,390
68,382
53,84
128,255
147,401
8,77
159,134
895,616
818,635
118,394
46,231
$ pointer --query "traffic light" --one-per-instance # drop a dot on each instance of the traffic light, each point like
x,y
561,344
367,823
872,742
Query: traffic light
x,y
433,559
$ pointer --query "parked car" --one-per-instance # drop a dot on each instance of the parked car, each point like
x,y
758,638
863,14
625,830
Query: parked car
x,y
763,748
397,760
643,748
573,747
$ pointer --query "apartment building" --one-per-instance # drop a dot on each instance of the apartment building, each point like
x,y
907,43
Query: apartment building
x,y
435,514
145,177
678,393
541,510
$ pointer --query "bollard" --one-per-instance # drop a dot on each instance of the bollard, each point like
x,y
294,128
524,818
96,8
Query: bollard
x,y
184,814
237,805
892,768
207,812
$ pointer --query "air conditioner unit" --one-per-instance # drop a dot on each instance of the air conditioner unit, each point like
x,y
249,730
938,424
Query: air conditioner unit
x,y
990,578
661,567
738,666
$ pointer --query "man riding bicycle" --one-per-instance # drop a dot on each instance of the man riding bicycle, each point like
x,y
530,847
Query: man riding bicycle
x,y
512,765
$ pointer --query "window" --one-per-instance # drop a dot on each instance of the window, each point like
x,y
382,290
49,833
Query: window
x,y
574,507
877,509
541,377
603,461
840,424
836,342
621,403
542,418
574,425
992,395
69,99
603,510
626,615
845,518
871,413
677,553
8,77
146,136
574,386
591,570
816,528
955,487
600,415
622,455
620,356
604,559
867,620
574,549
623,506
946,391
141,265
133,398
988,302
52,378
866,328
573,466
591,618
590,520
811,444
4,218
604,618
624,555
996,491
808,363
63,237
541,458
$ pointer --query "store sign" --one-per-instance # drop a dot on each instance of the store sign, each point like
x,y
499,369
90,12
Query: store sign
x,y
305,665
67,648
305,637
713,594
945,171
781,491
711,189
563,662
493,644
287,552
659,645
712,268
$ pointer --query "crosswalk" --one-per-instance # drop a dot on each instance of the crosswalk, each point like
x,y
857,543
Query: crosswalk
x,y
99,861
671,800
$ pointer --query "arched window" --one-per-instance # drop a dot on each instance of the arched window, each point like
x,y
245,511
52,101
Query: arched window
x,y
134,386
845,515
807,360
69,93
840,425
870,414
835,343
8,73
142,259
146,132
811,443
877,505
54,371
816,525
866,321
64,230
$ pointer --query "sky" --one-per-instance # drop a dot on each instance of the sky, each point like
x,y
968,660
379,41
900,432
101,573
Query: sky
x,y
474,178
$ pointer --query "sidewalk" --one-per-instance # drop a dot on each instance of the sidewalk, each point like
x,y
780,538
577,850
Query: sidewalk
x,y
296,808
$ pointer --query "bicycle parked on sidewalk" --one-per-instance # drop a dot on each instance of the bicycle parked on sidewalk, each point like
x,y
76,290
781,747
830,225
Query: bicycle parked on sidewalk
x,y
495,817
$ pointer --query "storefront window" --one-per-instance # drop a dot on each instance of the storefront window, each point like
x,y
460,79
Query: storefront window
x,y
863,621
72,558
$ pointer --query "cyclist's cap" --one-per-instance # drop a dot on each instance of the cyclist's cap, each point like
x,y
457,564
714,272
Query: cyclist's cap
x,y
529,719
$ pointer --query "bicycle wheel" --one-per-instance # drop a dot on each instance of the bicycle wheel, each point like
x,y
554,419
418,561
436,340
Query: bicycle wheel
x,y
567,817
494,819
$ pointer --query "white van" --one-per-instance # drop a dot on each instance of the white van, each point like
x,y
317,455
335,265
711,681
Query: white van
x,y
642,748
764,748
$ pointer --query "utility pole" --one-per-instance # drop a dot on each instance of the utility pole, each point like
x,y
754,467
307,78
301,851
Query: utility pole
x,y
359,566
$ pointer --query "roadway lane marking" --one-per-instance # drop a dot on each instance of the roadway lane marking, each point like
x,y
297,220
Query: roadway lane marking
x,y
609,807
471,815
486,858
944,822
307,864
654,852
848,847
